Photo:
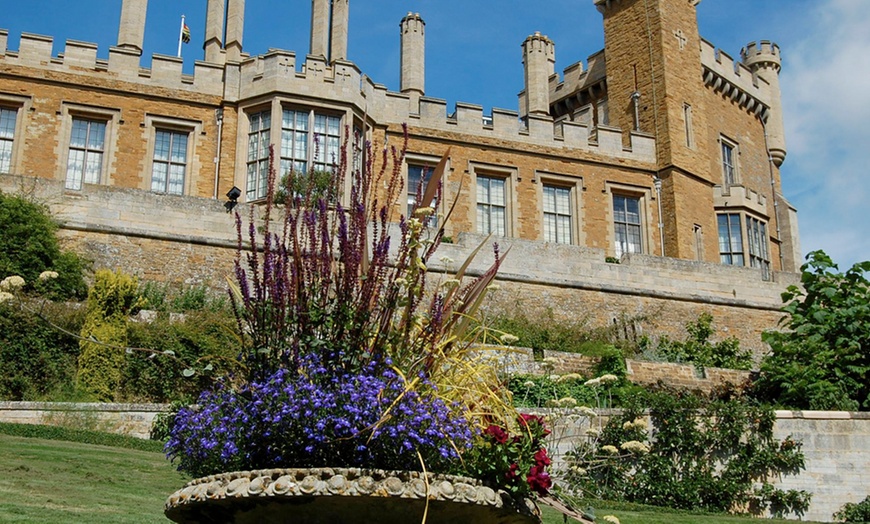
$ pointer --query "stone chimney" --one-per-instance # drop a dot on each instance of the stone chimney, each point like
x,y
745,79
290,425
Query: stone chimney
x,y
214,31
539,61
765,62
340,17
131,33
413,48
319,28
235,29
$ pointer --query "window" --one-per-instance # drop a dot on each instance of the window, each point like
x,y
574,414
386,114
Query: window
x,y
729,159
358,146
258,155
557,214
418,179
491,205
169,164
298,143
86,148
756,236
730,239
7,133
627,225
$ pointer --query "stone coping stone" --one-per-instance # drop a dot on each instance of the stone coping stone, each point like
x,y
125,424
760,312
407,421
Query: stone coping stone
x,y
82,406
344,495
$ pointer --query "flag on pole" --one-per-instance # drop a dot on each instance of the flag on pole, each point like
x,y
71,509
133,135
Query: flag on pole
x,y
183,35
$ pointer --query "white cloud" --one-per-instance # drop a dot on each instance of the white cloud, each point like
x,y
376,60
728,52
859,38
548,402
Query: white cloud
x,y
826,84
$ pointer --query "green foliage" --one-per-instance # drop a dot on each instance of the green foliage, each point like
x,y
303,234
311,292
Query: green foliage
x,y
36,360
28,247
315,183
111,300
541,391
548,334
697,349
168,298
822,360
702,453
78,435
852,512
204,339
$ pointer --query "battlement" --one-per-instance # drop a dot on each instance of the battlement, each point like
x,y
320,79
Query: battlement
x,y
739,197
35,51
763,54
734,79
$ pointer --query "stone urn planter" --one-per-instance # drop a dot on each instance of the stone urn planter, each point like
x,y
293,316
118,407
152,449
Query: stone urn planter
x,y
344,496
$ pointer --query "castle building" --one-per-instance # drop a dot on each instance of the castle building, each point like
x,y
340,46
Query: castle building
x,y
660,151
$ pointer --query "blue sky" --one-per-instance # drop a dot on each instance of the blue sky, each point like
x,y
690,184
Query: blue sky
x,y
473,55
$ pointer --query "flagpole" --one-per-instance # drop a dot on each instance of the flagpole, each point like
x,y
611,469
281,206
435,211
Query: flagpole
x,y
180,35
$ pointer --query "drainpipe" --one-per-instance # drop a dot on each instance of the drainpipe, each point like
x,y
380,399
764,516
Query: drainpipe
x,y
219,116
771,162
658,185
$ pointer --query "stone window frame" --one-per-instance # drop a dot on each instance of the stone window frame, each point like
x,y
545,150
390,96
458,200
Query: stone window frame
x,y
644,195
21,105
510,174
575,185
733,146
193,128
112,119
427,163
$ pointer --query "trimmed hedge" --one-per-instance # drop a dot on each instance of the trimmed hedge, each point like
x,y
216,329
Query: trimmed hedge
x,y
96,438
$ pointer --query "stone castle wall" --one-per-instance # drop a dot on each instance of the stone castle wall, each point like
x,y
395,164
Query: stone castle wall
x,y
192,240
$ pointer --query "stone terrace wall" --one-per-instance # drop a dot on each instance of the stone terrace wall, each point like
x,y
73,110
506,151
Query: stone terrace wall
x,y
127,419
837,449
521,360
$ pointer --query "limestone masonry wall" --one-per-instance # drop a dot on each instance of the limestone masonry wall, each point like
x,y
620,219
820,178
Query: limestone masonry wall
x,y
836,444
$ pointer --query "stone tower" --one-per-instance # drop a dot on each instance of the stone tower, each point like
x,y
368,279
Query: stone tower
x,y
539,62
765,62
652,53
413,49
131,33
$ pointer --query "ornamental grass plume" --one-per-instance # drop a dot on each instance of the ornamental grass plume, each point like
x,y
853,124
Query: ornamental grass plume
x,y
348,357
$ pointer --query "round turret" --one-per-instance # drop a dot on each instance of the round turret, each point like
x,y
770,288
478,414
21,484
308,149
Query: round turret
x,y
765,62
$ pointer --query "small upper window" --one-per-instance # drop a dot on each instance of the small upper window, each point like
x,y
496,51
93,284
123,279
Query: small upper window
x,y
729,162
86,148
7,134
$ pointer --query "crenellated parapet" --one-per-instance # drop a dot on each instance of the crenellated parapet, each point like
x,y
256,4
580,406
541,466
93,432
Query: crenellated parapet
x,y
732,197
734,80
80,58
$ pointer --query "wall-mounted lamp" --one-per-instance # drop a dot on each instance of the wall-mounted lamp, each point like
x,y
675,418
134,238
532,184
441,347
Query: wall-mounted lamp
x,y
233,195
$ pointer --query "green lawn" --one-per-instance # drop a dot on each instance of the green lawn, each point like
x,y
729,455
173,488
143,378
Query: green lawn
x,y
57,481
52,482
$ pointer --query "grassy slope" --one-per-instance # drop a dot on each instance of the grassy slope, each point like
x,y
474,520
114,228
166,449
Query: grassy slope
x,y
49,481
